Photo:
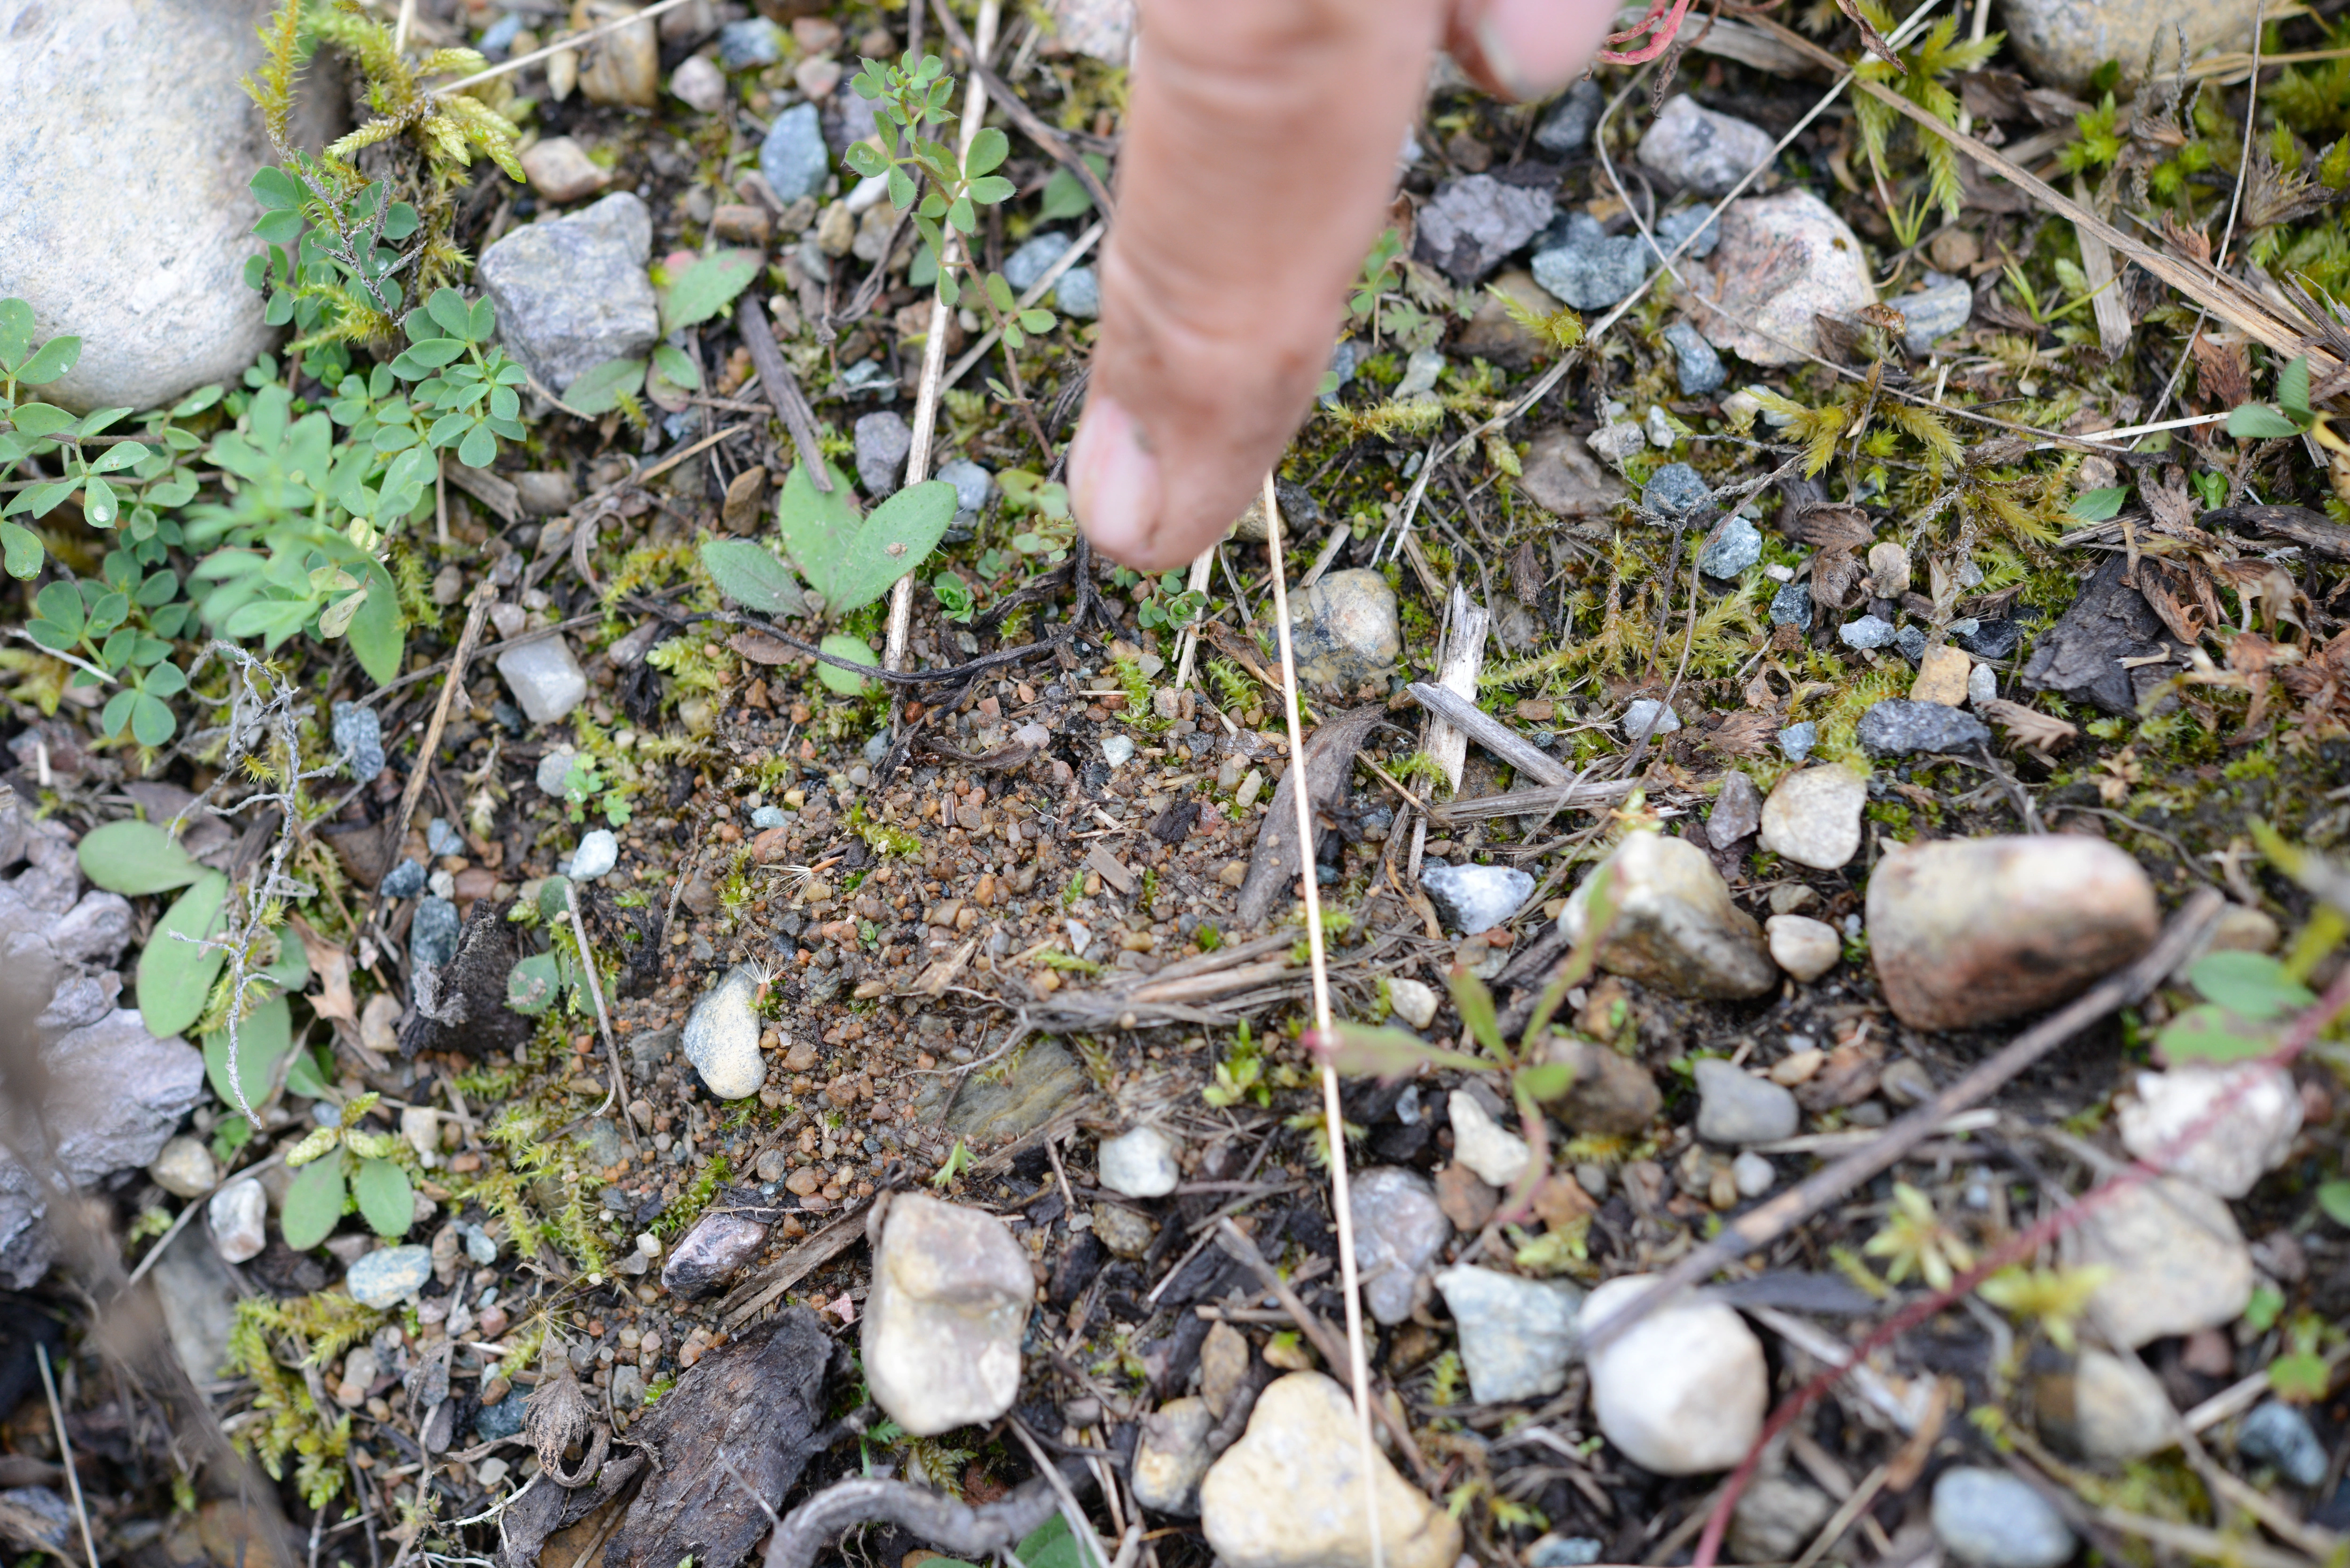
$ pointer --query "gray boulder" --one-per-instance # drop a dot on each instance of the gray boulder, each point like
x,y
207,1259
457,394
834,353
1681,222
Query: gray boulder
x,y
571,293
129,220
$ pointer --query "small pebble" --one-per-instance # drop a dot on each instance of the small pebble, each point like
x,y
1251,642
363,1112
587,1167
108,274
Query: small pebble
x,y
1140,1164
1735,1106
1992,1519
598,852
1414,1002
1497,1154
1646,716
389,1275
2278,1435
1738,546
1865,632
1754,1174
1118,750
1796,740
721,1037
1806,949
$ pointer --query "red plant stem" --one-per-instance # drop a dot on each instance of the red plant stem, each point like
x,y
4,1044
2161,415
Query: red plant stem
x,y
1657,44
2304,1032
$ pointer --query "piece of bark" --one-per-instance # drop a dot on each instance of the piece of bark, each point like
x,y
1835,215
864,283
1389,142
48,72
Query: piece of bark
x,y
732,1438
2080,658
1539,801
1329,757
2313,531
462,1006
1463,716
1460,657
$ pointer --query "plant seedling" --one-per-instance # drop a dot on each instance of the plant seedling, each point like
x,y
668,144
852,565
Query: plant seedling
x,y
347,1167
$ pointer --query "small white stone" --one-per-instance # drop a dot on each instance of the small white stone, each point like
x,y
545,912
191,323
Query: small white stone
x,y
1140,1164
1081,936
1983,685
1682,1391
544,676
2250,1138
699,84
1812,816
552,769
1497,1154
1290,1493
1753,1174
1413,1001
598,853
184,1169
420,1126
951,1291
239,1215
721,1037
1804,947
1118,750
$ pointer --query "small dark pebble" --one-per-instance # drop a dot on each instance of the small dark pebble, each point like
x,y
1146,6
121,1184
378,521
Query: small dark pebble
x,y
1990,638
1898,728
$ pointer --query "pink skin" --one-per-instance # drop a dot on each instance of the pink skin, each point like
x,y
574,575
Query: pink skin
x,y
1258,167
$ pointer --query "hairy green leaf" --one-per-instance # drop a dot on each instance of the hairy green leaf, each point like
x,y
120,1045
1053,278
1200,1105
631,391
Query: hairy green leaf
x,y
135,858
708,287
840,645
314,1205
263,1038
893,541
750,576
385,1200
176,975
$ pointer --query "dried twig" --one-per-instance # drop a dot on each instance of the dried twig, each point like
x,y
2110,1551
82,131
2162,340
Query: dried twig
x,y
396,829
971,1532
65,1450
556,47
783,388
1334,1117
1476,724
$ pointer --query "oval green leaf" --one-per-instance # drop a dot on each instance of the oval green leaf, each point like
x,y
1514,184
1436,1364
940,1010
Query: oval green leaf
x,y
840,645
751,577
134,857
175,976
385,1200
313,1204
262,1040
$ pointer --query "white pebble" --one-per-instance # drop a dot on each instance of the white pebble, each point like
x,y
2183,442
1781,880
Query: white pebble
x,y
598,853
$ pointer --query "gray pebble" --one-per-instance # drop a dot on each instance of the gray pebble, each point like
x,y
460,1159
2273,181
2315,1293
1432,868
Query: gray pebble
x,y
883,441
404,880
432,935
1934,313
1675,490
1695,363
389,1275
793,157
1079,294
1865,632
1735,1106
1738,546
1579,263
1796,740
1792,606
1994,1520
743,45
358,740
1472,899
1024,266
1567,128
1897,727
2279,1435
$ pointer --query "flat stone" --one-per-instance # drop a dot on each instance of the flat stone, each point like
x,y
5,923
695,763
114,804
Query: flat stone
x,y
1567,126
1899,728
1676,927
1646,716
544,676
1812,816
1931,314
238,1215
2062,42
1289,1494
1619,442
794,156
1472,225
129,222
1399,1230
572,292
1677,489
1580,263
1344,630
1993,1520
721,1037
185,1168
1472,899
598,852
1737,810
1414,1002
1737,547
1682,1391
2176,1261
115,1095
389,1275
2109,648
1140,1164
1735,1107
1517,1335
1792,606
951,1291
1989,638
1942,677
1784,261
1700,150
1775,1518
1865,632
2239,1144
1566,481
1042,1079
883,441
358,740
2102,1409
1497,1154
2279,1435
1806,947
1611,1095
1171,1457
715,1251
560,169
197,1295
1971,932
1467,1202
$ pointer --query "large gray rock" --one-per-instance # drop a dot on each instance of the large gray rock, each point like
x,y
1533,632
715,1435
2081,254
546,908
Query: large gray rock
x,y
1289,1494
942,1327
128,219
1675,926
572,292
2061,42
117,1095
1474,223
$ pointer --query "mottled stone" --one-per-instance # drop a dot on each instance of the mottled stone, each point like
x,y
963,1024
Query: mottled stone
x,y
1812,816
1472,225
1737,810
721,1037
1970,931
2176,1261
1171,1456
238,1214
1517,1335
1865,632
793,157
951,1295
1931,314
1699,149
1677,489
726,1238
1737,547
2062,42
1399,1230
1675,925
1792,606
1775,1518
389,1275
1344,630
1472,899
883,441
1567,126
1785,260
1681,1392
1289,1494
1897,727
1580,263
2102,1407
2277,1434
2237,1147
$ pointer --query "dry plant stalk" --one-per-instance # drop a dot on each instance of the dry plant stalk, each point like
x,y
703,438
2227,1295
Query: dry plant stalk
x,y
1358,1365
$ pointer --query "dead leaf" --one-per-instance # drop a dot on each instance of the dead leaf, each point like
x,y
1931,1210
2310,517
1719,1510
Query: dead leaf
x,y
1836,579
332,967
1743,735
759,647
2028,726
1829,527
2223,370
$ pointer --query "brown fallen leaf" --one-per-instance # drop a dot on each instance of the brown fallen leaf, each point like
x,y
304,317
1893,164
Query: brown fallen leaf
x,y
332,968
2028,726
1329,757
759,647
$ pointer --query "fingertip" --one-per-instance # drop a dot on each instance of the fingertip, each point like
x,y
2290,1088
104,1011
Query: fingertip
x,y
1533,48
1115,485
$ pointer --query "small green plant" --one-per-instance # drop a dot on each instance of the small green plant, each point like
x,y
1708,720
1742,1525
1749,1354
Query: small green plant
x,y
1919,77
363,1174
694,294
539,982
121,625
2055,1299
1392,301
2249,998
1054,531
1168,606
958,1160
954,597
1241,1074
585,789
462,376
1915,1240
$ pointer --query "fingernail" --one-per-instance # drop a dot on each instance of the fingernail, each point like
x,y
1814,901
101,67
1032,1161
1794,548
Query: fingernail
x,y
1527,48
1114,480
